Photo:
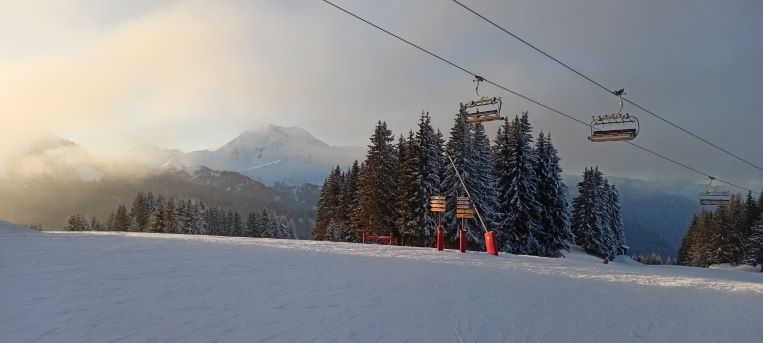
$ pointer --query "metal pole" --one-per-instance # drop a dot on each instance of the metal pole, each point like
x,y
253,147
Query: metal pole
x,y
466,190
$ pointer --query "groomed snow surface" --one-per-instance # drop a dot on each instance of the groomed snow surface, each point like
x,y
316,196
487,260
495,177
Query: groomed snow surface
x,y
133,287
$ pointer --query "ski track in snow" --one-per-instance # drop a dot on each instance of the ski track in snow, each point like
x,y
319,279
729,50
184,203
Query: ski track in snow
x,y
138,287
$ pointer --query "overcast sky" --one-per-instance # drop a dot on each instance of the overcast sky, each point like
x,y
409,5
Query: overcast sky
x,y
194,74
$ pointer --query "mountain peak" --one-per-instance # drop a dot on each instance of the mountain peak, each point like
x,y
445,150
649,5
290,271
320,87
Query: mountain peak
x,y
273,136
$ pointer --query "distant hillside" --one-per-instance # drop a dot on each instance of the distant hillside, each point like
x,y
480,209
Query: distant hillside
x,y
50,200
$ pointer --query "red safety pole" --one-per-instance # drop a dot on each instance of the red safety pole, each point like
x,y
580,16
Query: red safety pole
x,y
490,243
462,240
440,238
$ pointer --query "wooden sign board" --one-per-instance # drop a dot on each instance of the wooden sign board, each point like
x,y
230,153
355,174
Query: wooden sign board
x,y
437,203
463,203
464,213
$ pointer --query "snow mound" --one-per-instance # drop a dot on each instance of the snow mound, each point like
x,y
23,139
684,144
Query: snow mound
x,y
137,287
741,268
10,230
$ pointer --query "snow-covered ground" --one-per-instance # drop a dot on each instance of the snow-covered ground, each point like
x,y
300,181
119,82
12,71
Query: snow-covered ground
x,y
105,287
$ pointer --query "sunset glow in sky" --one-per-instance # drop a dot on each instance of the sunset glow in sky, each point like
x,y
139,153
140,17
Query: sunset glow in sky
x,y
110,75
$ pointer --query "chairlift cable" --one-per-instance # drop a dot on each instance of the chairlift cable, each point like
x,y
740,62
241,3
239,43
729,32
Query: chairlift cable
x,y
686,131
531,100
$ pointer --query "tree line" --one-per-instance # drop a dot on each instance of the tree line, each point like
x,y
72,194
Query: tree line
x,y
150,213
731,234
515,183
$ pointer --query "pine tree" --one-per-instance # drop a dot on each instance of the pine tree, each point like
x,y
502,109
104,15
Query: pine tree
x,y
335,205
720,238
459,155
604,209
265,227
553,233
755,247
251,225
140,213
739,231
482,182
430,169
215,220
186,216
172,216
197,224
160,217
616,222
516,181
375,212
286,229
330,204
95,225
237,227
122,221
752,212
76,222
350,201
701,249
110,226
410,214
322,213
683,257
592,215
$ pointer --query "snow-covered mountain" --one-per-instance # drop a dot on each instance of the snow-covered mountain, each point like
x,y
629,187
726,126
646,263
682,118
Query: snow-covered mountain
x,y
269,154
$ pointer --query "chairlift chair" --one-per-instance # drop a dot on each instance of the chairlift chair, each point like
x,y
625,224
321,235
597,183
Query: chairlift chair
x,y
481,109
615,126
714,197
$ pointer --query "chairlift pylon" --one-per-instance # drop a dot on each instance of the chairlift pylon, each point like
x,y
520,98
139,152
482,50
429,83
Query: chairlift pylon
x,y
617,126
482,108
714,197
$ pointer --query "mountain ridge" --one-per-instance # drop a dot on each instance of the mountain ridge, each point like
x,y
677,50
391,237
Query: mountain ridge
x,y
269,154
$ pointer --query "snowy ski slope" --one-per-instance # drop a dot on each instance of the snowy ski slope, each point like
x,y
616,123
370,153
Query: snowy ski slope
x,y
133,287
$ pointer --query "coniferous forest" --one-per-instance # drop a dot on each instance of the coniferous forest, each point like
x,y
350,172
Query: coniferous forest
x,y
515,183
730,234
150,213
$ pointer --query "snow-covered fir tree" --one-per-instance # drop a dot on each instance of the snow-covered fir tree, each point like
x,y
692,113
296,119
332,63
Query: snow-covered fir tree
x,y
76,222
553,232
429,171
459,155
350,200
616,222
375,213
596,216
410,214
683,257
140,212
95,225
482,181
122,221
250,229
330,205
514,159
